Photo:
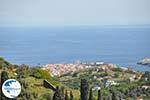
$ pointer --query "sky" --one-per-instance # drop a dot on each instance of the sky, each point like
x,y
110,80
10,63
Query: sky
x,y
74,12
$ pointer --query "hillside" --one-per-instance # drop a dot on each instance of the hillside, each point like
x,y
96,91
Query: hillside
x,y
114,82
121,81
31,80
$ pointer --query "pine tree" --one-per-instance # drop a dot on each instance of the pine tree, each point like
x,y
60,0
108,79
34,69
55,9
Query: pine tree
x,y
99,95
91,94
84,89
71,95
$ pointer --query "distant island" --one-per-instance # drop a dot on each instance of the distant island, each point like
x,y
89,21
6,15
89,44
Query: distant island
x,y
145,61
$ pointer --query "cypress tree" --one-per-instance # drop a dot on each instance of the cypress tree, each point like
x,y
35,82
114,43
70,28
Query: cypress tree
x,y
91,94
84,89
4,77
66,96
104,98
114,96
62,90
108,98
99,95
71,95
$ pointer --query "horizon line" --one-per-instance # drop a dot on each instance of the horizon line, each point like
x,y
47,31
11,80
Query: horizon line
x,y
47,26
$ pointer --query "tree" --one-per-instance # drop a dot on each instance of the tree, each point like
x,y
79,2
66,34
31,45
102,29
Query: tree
x,y
91,94
58,95
116,75
62,90
4,77
114,96
71,95
84,89
66,96
22,71
99,95
4,64
146,76
47,96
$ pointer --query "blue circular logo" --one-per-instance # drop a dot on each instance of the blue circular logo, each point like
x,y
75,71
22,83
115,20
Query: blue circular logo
x,y
11,88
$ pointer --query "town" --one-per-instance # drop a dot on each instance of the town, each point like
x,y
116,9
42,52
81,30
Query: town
x,y
60,69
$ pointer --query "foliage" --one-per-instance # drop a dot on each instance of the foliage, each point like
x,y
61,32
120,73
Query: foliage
x,y
22,71
84,89
3,63
118,69
116,75
99,95
71,96
31,80
58,95
66,95
4,77
103,74
91,94
42,74
114,96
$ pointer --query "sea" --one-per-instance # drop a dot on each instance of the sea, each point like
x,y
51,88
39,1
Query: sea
x,y
121,45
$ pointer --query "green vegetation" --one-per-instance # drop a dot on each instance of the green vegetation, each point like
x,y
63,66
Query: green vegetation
x,y
91,94
31,80
4,77
124,82
42,74
87,84
84,89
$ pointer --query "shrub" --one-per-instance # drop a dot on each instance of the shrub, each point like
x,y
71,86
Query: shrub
x,y
4,63
22,71
116,75
42,74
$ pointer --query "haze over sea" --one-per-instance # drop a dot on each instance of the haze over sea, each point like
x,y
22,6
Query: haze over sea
x,y
123,46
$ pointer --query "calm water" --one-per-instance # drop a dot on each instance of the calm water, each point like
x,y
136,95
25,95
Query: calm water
x,y
123,46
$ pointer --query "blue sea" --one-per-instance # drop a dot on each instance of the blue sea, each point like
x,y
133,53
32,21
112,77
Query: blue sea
x,y
123,46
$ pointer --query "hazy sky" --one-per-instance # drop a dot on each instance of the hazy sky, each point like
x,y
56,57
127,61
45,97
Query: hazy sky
x,y
73,12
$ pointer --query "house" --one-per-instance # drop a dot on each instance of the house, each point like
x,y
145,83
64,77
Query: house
x,y
109,83
96,88
99,63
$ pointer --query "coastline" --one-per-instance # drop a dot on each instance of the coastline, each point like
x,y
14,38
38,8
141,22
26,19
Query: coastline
x,y
100,75
60,69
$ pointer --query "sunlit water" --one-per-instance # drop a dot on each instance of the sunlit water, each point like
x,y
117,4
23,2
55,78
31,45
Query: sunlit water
x,y
122,46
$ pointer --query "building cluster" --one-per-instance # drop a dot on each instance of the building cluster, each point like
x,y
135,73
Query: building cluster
x,y
60,69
